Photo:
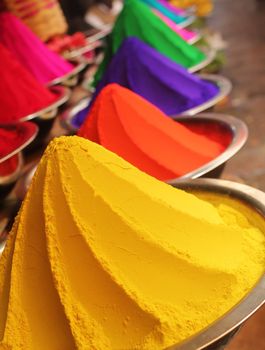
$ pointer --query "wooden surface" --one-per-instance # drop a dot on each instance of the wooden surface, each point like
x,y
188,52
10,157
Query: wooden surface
x,y
242,24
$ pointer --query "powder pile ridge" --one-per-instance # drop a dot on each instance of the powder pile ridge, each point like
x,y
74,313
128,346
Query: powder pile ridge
x,y
20,93
185,34
11,138
30,51
130,126
159,273
137,19
153,76
165,10
172,8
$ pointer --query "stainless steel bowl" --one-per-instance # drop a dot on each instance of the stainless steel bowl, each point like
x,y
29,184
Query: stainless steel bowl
x,y
196,38
80,52
50,111
189,20
98,34
214,168
217,335
223,84
67,116
8,181
239,135
225,87
46,117
210,55
72,78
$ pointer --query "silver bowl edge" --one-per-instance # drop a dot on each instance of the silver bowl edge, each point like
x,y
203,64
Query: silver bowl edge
x,y
69,113
210,54
64,96
256,297
9,179
225,87
196,38
80,66
24,145
189,20
240,134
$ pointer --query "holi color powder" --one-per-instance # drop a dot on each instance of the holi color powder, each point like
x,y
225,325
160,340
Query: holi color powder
x,y
158,79
128,125
103,256
137,19
185,34
14,136
34,55
173,15
179,11
20,94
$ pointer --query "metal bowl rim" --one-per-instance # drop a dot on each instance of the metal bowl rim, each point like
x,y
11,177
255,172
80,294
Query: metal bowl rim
x,y
67,116
195,38
223,83
102,33
24,145
210,54
80,65
190,18
256,297
11,178
64,94
76,53
240,134
225,87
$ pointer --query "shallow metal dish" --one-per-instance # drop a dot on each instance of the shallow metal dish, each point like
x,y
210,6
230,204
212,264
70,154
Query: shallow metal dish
x,y
217,335
7,182
189,20
196,38
209,57
70,79
99,34
225,87
223,84
239,134
77,53
50,111
67,116
10,179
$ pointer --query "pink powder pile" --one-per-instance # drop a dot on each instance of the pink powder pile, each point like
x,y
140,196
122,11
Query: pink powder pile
x,y
185,34
34,55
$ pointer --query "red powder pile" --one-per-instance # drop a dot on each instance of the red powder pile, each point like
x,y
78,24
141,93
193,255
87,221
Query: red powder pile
x,y
9,166
128,125
20,93
12,138
15,136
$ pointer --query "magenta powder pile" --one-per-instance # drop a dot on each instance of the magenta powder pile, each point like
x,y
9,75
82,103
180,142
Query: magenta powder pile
x,y
35,56
20,93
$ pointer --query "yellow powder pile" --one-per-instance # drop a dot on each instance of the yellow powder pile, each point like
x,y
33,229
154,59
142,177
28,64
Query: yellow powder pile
x,y
107,257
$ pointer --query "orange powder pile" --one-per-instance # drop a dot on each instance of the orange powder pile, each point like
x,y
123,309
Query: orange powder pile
x,y
136,130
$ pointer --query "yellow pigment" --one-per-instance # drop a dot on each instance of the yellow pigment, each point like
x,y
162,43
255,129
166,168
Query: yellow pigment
x,y
107,257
